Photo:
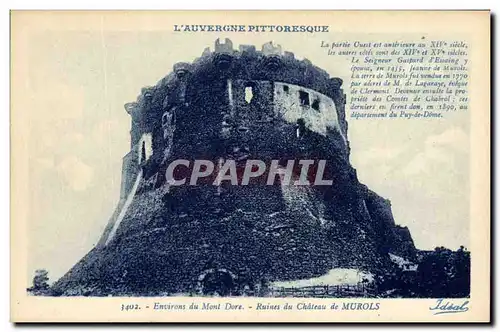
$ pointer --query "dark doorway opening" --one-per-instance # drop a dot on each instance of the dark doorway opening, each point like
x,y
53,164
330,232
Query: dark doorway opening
x,y
218,283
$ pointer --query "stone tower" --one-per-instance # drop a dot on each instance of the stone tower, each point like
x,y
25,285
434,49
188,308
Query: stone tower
x,y
237,105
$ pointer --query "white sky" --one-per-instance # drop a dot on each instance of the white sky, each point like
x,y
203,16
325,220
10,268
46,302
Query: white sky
x,y
80,80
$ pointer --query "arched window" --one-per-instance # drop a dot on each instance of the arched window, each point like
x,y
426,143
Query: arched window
x,y
249,91
143,152
145,148
248,94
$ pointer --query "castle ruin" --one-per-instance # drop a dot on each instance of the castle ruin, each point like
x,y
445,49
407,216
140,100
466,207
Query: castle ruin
x,y
239,105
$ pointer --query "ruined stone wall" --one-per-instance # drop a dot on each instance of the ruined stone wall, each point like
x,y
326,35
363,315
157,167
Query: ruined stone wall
x,y
294,102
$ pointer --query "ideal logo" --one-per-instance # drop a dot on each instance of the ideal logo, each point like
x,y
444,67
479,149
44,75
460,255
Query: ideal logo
x,y
448,307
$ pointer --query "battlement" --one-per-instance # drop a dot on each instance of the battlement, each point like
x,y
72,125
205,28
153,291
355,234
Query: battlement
x,y
221,79
270,49
226,47
271,63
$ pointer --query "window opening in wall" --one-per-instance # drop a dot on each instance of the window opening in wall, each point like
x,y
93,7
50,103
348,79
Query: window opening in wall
x,y
286,88
301,127
248,94
143,152
164,119
315,104
304,98
171,117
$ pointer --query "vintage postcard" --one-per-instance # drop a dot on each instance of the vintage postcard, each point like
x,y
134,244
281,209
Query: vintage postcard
x,y
250,166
